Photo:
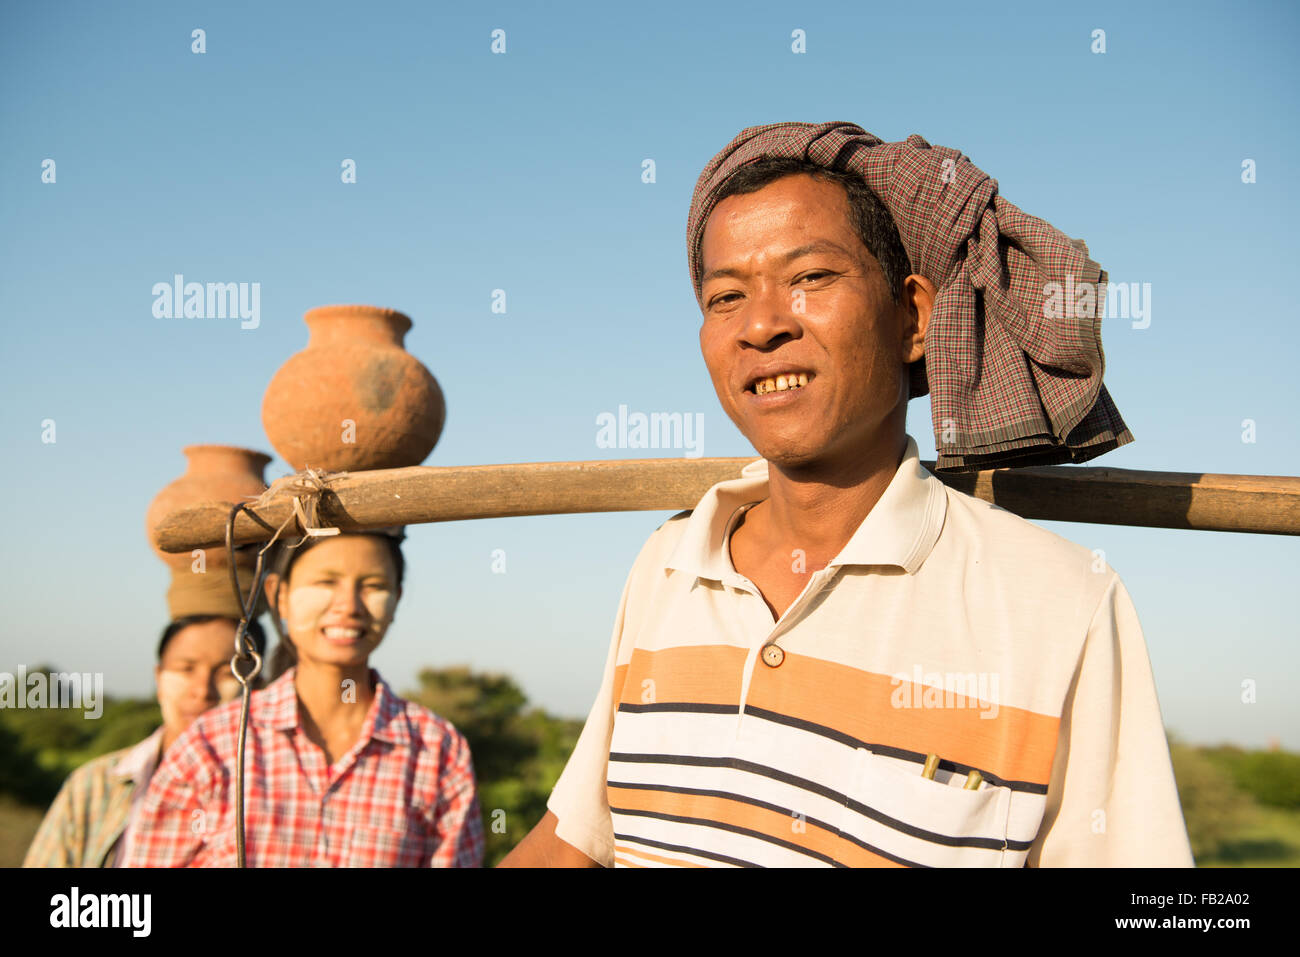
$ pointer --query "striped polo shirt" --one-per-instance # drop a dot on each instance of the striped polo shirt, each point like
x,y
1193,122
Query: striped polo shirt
x,y
946,626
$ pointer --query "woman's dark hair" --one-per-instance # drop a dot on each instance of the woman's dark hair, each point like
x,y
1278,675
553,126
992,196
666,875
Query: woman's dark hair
x,y
255,631
869,217
286,656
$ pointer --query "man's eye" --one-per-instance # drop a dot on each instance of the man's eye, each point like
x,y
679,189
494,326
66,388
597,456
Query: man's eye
x,y
721,299
814,275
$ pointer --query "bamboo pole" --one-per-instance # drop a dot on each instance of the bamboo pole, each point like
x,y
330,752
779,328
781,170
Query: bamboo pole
x,y
1263,504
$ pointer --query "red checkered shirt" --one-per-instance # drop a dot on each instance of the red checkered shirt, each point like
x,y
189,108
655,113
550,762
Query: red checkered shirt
x,y
404,796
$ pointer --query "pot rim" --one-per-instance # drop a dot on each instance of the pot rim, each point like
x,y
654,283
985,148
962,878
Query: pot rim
x,y
400,320
217,447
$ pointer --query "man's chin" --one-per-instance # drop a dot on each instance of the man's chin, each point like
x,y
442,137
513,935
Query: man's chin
x,y
789,455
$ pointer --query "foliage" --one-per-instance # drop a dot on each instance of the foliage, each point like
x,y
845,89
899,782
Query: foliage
x,y
1271,777
1215,810
21,775
61,739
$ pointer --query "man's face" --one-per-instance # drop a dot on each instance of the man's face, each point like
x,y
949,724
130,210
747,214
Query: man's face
x,y
800,294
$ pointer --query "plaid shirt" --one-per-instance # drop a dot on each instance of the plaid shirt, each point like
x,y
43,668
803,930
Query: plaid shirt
x,y
93,809
404,796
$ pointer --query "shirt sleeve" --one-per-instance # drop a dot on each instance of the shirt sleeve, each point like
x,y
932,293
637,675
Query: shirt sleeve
x,y
174,817
59,837
579,800
1112,800
458,825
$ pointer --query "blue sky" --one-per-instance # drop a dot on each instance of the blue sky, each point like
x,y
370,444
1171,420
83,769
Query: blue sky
x,y
522,171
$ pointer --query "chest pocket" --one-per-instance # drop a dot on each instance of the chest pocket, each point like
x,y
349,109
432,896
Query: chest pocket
x,y
915,821
371,846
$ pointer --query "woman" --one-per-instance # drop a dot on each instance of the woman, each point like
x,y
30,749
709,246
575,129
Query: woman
x,y
339,770
95,816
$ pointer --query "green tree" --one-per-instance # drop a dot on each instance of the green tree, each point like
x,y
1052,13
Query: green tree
x,y
21,775
1214,809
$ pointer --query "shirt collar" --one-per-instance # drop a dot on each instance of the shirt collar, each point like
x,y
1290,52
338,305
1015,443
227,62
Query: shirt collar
x,y
900,529
276,707
139,762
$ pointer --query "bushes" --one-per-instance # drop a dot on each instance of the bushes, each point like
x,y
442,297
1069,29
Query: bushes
x,y
1214,809
1271,777
59,740
21,776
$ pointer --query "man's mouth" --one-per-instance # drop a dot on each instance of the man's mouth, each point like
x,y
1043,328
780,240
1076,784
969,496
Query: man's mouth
x,y
778,383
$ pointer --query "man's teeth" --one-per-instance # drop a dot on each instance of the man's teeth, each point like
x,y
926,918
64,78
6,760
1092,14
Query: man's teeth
x,y
781,383
342,632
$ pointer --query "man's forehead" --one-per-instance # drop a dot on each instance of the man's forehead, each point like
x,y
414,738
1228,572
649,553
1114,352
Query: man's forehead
x,y
821,245
790,204
800,195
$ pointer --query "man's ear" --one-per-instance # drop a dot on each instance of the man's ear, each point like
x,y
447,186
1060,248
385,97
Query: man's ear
x,y
918,302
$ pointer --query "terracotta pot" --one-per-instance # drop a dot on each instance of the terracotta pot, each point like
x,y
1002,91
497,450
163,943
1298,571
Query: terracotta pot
x,y
216,473
210,593
354,399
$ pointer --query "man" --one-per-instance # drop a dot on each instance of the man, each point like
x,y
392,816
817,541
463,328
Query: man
x,y
835,659
92,820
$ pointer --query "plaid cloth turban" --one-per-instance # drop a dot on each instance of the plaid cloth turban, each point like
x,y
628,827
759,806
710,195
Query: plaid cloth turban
x,y
1009,386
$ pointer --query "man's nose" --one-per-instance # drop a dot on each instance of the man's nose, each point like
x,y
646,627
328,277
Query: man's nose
x,y
771,314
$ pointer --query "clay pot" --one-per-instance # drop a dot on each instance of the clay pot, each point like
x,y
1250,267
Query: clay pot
x,y
210,593
216,473
354,399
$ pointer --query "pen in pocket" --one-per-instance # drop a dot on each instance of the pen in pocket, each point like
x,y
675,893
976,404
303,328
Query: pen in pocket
x,y
973,780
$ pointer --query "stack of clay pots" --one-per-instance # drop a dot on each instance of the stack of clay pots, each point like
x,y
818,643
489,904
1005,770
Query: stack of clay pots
x,y
200,582
353,400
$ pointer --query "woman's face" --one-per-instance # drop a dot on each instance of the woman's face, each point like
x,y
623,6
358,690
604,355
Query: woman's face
x,y
339,599
194,673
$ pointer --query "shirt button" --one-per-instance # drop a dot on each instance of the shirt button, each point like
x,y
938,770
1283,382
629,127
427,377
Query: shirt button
x,y
773,656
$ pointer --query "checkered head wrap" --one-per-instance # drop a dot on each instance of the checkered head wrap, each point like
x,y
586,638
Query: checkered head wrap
x,y
1013,380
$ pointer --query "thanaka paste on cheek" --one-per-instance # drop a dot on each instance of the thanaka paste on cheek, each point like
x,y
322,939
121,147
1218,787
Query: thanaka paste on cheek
x,y
307,605
172,687
381,603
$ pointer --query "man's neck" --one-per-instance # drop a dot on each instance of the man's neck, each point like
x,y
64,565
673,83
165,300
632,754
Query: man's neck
x,y
818,509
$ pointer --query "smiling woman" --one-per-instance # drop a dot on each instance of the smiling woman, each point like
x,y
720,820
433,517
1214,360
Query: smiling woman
x,y
339,770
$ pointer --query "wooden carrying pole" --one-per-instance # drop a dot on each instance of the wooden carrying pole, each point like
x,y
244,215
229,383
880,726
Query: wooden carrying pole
x,y
365,500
